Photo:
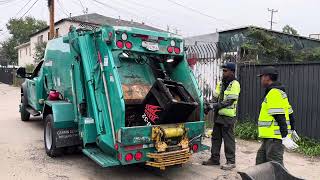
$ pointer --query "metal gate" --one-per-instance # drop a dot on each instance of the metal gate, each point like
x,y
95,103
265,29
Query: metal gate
x,y
205,61
6,75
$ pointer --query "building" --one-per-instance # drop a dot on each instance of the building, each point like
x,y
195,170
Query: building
x,y
230,40
24,54
26,51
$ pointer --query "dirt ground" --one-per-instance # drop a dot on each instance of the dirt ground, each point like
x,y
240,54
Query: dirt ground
x,y
22,155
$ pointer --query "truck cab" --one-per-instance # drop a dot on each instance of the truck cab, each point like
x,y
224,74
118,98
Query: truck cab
x,y
124,95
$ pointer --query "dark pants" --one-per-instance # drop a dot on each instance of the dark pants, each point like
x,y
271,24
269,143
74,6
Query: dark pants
x,y
225,132
270,150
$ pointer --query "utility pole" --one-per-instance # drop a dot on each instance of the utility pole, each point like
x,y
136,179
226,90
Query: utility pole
x,y
271,21
51,12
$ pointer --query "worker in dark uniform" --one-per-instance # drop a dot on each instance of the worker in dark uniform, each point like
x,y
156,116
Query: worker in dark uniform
x,y
276,123
227,93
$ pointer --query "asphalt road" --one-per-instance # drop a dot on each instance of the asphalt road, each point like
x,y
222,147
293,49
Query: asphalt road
x,y
22,155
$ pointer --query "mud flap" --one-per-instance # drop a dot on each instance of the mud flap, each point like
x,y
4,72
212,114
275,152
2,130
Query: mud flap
x,y
67,137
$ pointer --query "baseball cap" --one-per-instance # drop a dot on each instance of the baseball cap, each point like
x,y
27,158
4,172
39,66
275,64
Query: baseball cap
x,y
229,65
268,70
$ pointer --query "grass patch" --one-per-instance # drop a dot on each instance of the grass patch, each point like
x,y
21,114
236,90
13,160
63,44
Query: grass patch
x,y
309,147
249,131
246,130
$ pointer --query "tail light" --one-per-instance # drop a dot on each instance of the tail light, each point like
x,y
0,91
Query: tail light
x,y
116,147
129,157
138,156
195,147
177,50
128,45
170,49
120,44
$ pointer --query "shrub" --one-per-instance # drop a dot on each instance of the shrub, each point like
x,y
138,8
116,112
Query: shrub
x,y
246,130
309,147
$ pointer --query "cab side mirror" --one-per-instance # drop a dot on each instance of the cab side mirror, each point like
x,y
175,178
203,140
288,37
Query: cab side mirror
x,y
21,72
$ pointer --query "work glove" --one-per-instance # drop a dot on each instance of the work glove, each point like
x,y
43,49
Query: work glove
x,y
295,136
213,105
289,143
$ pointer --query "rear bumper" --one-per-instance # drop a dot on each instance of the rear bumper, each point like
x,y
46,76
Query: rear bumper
x,y
139,139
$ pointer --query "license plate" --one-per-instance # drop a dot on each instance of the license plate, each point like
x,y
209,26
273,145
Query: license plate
x,y
151,46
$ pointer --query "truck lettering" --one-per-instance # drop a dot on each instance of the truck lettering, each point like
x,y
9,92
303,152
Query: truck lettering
x,y
150,112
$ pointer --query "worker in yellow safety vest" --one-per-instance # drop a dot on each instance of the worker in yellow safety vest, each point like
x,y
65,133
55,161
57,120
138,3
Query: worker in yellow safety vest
x,y
227,93
276,124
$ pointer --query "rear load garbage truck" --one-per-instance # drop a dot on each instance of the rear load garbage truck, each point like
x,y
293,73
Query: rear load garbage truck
x,y
125,95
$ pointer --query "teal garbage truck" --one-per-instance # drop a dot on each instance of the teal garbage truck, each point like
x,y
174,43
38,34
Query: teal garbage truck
x,y
124,95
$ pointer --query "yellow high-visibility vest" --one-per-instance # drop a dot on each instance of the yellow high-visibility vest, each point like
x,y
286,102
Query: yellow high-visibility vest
x,y
275,102
231,92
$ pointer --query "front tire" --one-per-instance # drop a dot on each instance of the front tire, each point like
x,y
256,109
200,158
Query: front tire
x,y
49,138
25,115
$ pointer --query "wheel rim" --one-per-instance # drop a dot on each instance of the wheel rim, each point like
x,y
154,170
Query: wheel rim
x,y
48,136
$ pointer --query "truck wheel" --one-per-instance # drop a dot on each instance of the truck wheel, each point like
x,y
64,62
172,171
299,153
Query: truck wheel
x,y
25,115
49,138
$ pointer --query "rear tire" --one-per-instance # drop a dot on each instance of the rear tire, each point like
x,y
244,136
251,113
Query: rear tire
x,y
25,115
49,138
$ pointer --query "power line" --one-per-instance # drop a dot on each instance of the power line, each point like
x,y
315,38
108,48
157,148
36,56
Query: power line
x,y
82,5
6,2
123,10
137,12
199,12
15,16
29,9
62,9
22,8
271,21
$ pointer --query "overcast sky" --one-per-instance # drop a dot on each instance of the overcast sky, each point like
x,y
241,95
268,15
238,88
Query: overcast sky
x,y
205,16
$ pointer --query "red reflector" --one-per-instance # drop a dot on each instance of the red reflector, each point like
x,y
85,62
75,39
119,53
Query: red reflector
x,y
120,44
129,157
195,147
138,156
134,147
128,45
110,35
116,147
177,50
120,156
170,49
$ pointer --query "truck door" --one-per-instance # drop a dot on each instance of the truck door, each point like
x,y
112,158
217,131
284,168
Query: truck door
x,y
35,87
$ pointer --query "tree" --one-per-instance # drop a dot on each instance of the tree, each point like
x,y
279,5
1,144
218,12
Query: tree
x,y
8,50
39,51
267,47
289,30
20,30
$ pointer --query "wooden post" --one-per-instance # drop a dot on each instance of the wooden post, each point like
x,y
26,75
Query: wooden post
x,y
51,12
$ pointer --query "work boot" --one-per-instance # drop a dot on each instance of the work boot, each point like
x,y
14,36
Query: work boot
x,y
211,162
228,166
